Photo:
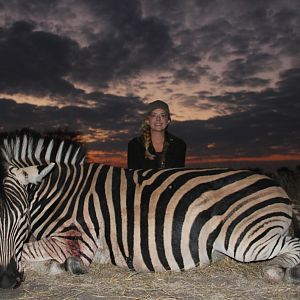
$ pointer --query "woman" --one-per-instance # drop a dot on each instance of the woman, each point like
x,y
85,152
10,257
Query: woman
x,y
156,148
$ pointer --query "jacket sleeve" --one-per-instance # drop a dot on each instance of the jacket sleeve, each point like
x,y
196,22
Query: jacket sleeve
x,y
181,154
134,155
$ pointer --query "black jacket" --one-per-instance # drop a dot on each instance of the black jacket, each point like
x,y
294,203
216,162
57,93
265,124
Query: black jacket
x,y
174,154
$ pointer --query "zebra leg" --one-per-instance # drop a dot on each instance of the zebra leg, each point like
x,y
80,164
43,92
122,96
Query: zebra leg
x,y
51,266
216,256
72,264
285,266
292,275
56,254
75,265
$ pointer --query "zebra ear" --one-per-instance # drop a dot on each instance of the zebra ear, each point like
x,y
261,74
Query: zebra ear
x,y
32,174
45,170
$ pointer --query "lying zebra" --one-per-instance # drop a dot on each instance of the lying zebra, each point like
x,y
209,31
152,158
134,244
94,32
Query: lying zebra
x,y
172,219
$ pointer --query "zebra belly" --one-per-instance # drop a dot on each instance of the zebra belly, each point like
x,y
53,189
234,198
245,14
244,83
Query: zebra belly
x,y
163,248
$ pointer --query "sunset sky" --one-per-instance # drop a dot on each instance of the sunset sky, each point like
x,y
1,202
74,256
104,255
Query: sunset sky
x,y
229,69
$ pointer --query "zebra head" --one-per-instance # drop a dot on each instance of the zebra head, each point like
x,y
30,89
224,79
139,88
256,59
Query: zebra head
x,y
17,187
26,157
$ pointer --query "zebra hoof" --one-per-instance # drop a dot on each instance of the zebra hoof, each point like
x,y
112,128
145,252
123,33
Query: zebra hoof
x,y
273,274
293,275
75,265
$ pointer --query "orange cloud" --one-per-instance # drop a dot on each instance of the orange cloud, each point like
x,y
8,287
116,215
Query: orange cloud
x,y
115,159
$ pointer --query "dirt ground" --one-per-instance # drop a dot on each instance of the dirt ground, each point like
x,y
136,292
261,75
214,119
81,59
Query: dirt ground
x,y
224,280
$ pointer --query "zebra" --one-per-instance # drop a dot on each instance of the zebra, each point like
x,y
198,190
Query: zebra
x,y
154,220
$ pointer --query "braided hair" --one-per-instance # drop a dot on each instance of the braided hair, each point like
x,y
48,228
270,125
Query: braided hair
x,y
146,135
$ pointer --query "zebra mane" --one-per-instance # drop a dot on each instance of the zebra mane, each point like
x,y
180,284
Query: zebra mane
x,y
27,148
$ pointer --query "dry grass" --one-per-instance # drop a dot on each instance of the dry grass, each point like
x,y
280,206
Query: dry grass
x,y
224,280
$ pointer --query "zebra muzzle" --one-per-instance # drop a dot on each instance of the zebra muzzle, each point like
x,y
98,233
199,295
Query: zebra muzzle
x,y
10,277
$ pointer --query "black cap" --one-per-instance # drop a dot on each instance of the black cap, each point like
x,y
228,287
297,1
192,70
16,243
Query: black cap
x,y
158,104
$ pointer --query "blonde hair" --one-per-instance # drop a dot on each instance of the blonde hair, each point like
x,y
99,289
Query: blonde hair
x,y
146,133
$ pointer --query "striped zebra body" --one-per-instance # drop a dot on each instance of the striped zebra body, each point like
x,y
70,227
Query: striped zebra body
x,y
163,220
171,219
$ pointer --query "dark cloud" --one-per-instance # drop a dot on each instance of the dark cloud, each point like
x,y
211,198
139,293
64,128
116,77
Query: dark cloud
x,y
245,71
289,82
186,75
35,62
130,44
109,112
143,45
125,39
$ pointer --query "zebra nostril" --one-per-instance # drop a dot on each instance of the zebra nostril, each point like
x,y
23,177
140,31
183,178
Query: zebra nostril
x,y
7,281
18,281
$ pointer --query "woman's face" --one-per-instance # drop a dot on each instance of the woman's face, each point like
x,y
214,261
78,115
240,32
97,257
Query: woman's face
x,y
158,120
